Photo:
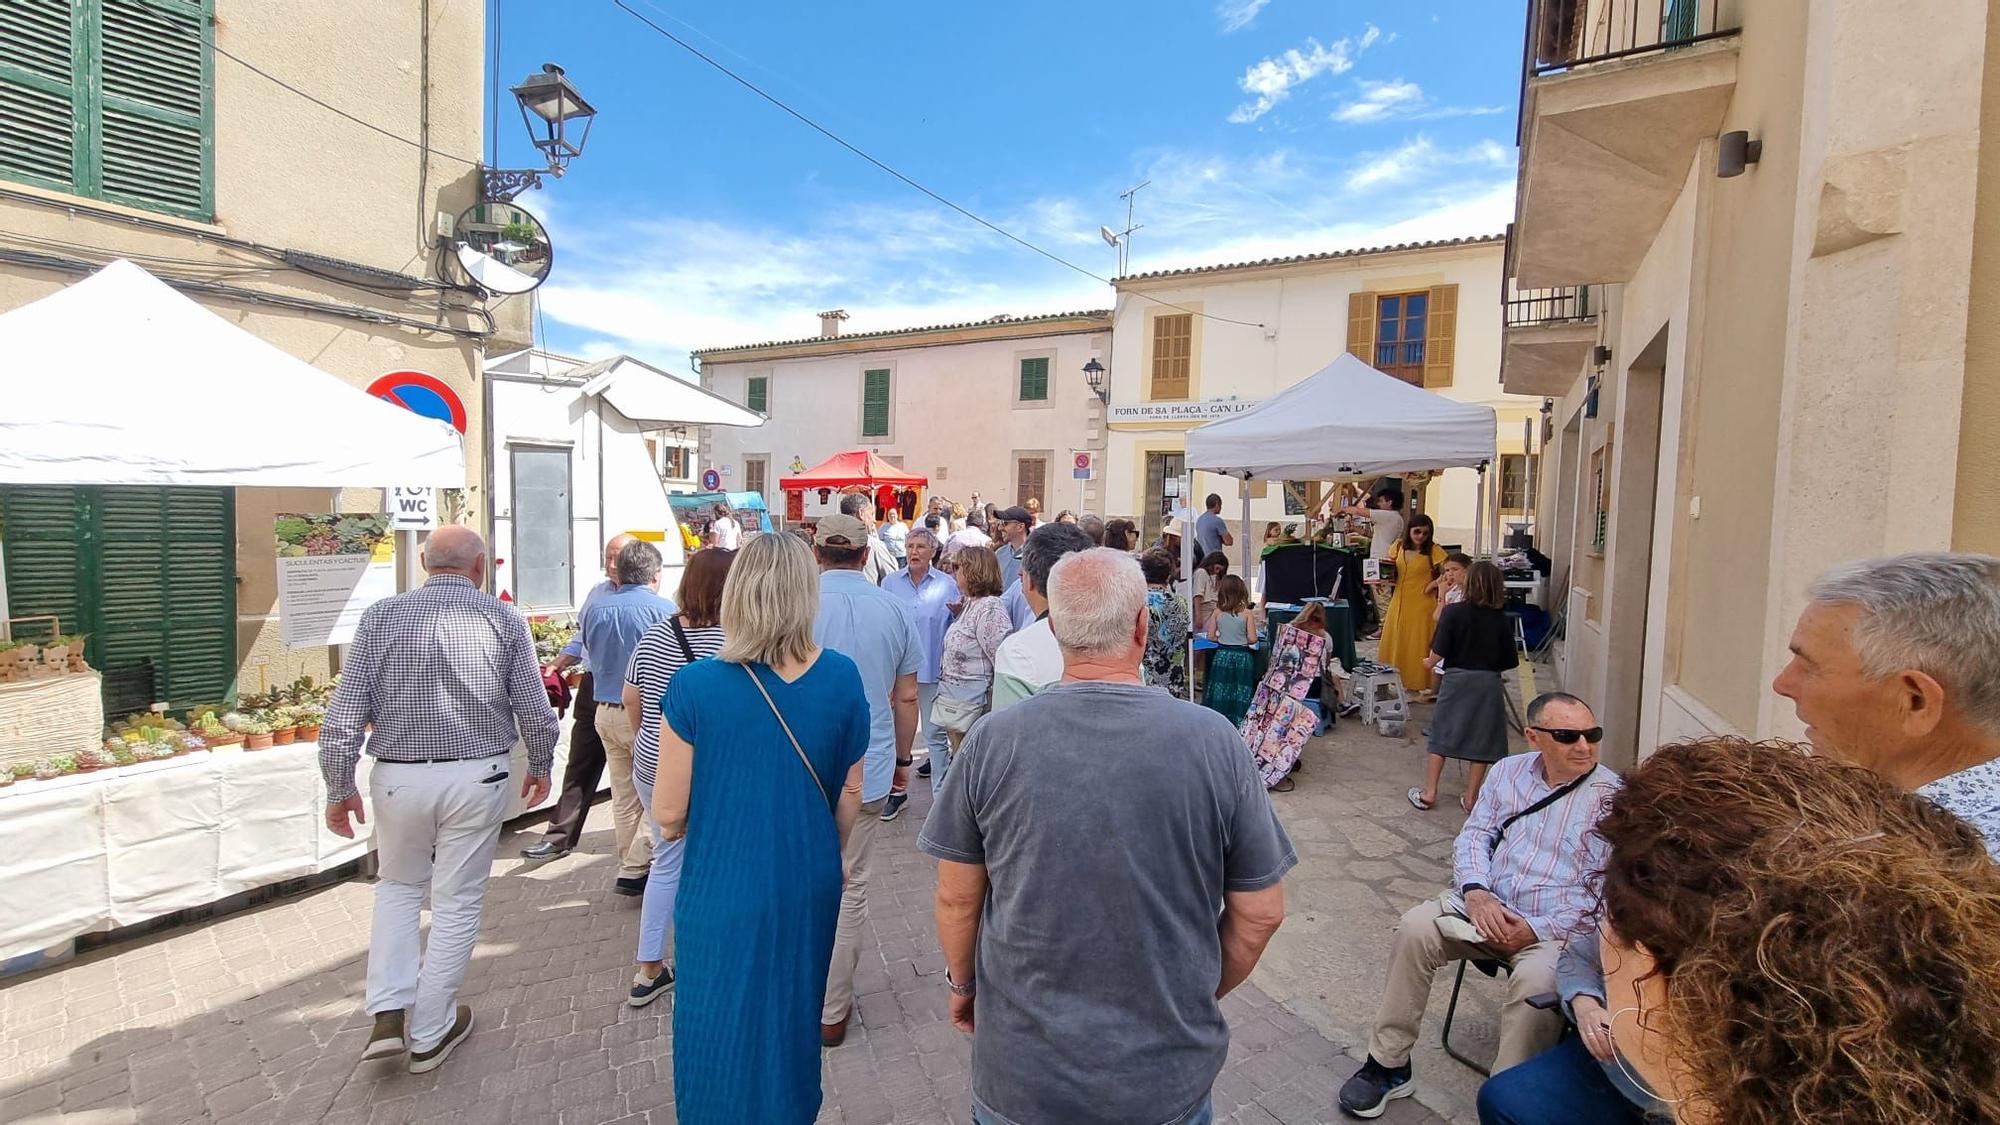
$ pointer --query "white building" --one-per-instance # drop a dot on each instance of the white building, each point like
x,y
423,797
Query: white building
x,y
1191,345
998,407
575,449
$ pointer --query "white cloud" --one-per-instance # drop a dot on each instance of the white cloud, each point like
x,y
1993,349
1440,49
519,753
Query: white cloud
x,y
1238,14
1401,100
1272,79
1417,155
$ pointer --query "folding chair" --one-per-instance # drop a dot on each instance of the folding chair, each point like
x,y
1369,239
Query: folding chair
x,y
1541,1000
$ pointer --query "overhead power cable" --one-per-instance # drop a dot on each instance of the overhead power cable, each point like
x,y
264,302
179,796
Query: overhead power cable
x,y
856,150
339,112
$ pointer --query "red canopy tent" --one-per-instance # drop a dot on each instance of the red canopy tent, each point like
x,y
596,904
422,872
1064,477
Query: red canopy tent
x,y
854,467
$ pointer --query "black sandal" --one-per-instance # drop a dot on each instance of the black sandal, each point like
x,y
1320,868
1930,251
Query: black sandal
x,y
1285,785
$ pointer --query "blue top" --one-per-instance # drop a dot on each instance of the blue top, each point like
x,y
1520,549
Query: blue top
x,y
1010,563
1018,609
574,649
611,627
1209,529
1233,629
930,609
869,626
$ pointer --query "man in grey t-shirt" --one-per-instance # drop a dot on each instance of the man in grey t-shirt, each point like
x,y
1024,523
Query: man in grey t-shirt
x,y
1211,531
1111,864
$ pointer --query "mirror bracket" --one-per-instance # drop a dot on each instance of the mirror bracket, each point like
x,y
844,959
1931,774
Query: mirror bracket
x,y
501,185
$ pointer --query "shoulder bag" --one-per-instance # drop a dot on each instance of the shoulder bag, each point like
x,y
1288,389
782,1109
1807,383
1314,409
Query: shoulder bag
x,y
787,727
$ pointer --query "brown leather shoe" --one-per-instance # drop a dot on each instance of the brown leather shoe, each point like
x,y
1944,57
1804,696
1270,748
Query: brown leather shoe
x,y
834,1034
422,1062
387,1038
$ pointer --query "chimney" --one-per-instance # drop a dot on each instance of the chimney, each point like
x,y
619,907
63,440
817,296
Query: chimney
x,y
829,323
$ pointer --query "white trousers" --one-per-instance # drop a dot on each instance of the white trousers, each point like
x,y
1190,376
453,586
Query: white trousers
x,y
437,825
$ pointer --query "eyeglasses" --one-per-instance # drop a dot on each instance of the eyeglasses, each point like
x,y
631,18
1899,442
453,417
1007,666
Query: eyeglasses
x,y
1571,737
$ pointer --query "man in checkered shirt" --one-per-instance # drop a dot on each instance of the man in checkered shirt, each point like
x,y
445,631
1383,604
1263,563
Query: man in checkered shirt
x,y
446,674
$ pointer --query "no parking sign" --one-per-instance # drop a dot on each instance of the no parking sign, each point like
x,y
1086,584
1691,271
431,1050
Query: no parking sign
x,y
421,394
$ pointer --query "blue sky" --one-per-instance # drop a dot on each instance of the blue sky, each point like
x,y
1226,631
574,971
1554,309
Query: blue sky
x,y
701,216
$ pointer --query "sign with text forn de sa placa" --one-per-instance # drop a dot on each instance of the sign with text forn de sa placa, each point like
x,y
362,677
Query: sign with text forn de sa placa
x,y
412,509
1178,411
331,567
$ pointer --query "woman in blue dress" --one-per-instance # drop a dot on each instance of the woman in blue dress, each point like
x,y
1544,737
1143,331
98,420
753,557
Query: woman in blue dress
x,y
760,770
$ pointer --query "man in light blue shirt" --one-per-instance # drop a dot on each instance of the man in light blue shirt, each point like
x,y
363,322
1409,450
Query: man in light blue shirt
x,y
930,595
611,627
583,768
1014,523
869,626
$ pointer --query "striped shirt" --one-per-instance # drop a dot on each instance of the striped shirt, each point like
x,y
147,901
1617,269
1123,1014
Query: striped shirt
x,y
1543,866
655,659
445,673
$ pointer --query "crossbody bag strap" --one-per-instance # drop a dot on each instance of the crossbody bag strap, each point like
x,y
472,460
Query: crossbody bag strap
x,y
680,634
787,727
1564,791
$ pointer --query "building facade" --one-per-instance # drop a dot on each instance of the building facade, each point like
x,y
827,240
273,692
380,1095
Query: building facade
x,y
1191,345
999,408
1750,247
195,138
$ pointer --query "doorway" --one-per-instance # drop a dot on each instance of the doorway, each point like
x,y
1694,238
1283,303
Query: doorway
x,y
1165,475
1629,517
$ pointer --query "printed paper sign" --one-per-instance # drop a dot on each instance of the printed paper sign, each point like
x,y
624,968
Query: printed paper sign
x,y
331,567
413,509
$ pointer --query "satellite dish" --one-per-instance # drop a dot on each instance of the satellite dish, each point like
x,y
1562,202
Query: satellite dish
x,y
502,248
1109,236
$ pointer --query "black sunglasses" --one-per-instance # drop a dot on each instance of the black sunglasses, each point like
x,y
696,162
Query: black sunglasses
x,y
1570,737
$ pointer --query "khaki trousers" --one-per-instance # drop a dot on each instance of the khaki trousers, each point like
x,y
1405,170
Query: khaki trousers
x,y
631,821
1420,951
855,860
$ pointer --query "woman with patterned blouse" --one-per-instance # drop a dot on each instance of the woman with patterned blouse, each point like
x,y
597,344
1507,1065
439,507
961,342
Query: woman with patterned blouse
x,y
965,677
1167,643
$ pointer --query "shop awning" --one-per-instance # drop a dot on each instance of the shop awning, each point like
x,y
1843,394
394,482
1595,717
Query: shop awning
x,y
120,379
1348,420
656,400
854,467
737,501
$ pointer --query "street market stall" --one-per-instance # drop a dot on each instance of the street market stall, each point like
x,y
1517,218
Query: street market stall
x,y
129,417
696,510
849,471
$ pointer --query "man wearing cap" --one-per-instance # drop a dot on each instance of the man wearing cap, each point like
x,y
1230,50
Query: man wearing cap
x,y
1015,524
868,625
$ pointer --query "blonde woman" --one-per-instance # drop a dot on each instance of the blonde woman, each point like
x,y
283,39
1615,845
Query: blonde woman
x,y
760,771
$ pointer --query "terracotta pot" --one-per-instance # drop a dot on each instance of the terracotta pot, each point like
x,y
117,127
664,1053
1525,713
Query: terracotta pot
x,y
222,740
309,734
257,741
285,736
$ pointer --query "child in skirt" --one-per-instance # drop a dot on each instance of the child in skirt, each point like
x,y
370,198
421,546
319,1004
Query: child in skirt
x,y
1232,672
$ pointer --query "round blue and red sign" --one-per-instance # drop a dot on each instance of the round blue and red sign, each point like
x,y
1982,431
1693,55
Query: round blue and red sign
x,y
711,480
424,395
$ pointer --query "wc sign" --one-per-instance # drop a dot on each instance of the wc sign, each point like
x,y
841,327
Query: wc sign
x,y
413,509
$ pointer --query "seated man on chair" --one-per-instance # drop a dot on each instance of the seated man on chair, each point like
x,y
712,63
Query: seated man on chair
x,y
1521,867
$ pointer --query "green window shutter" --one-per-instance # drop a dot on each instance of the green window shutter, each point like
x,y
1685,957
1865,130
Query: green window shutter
x,y
149,573
111,99
38,93
875,403
1035,380
757,396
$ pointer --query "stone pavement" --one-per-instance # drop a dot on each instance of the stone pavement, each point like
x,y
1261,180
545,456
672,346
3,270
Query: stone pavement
x,y
257,1017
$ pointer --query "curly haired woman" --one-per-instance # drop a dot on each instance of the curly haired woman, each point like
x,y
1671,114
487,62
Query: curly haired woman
x,y
1789,939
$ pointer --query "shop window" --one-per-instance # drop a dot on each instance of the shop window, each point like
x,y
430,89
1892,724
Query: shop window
x,y
1034,381
875,403
1173,356
757,394
111,99
149,574
542,558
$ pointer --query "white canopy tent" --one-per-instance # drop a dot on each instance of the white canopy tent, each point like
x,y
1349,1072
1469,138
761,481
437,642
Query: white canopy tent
x,y
120,379
656,400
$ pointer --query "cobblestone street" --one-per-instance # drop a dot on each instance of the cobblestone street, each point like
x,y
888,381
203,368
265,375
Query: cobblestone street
x,y
257,1017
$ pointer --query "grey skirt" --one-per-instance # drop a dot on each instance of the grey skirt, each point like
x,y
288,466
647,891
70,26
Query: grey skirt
x,y
1470,722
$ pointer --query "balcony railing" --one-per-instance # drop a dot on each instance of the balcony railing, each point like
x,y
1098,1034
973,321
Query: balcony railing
x,y
1564,34
1568,304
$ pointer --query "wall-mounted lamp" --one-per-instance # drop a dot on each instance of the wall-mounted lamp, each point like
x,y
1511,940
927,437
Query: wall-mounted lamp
x,y
1600,356
1093,376
1736,151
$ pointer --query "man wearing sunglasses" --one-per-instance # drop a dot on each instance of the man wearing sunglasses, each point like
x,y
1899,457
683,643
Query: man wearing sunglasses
x,y
1521,871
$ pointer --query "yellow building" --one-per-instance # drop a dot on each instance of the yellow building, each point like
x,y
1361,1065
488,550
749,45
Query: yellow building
x,y
286,163
1747,244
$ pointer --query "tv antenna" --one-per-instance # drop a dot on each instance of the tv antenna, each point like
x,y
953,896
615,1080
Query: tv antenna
x,y
1121,241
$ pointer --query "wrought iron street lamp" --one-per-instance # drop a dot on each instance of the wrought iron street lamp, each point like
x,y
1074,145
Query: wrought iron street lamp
x,y
552,110
1093,375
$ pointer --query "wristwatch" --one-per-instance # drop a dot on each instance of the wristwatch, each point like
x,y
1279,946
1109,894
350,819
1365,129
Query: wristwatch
x,y
966,989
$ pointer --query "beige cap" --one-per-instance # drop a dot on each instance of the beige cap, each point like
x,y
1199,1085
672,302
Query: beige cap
x,y
840,531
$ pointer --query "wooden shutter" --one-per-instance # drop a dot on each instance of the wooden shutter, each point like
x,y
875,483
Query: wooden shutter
x,y
1035,379
1173,351
1441,342
154,133
148,573
875,403
1031,480
757,394
39,114
1361,327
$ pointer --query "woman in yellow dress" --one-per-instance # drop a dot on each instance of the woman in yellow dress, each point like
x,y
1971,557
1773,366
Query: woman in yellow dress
x,y
1406,629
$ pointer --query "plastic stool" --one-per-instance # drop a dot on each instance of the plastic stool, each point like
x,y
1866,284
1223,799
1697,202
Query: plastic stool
x,y
1383,697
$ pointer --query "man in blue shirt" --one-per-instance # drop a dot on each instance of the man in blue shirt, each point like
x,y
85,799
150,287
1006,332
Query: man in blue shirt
x,y
611,627
1015,523
584,766
930,595
869,626
1211,531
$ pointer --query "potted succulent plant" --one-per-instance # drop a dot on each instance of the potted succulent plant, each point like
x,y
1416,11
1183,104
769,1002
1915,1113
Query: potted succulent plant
x,y
67,764
309,717
47,769
284,729
21,771
256,734
97,758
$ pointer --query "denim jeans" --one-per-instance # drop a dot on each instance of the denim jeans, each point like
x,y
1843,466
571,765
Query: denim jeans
x,y
663,882
1204,1115
1561,1085
932,735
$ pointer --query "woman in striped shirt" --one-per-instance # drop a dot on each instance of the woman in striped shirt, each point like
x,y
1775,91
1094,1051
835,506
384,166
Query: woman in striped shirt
x,y
695,633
